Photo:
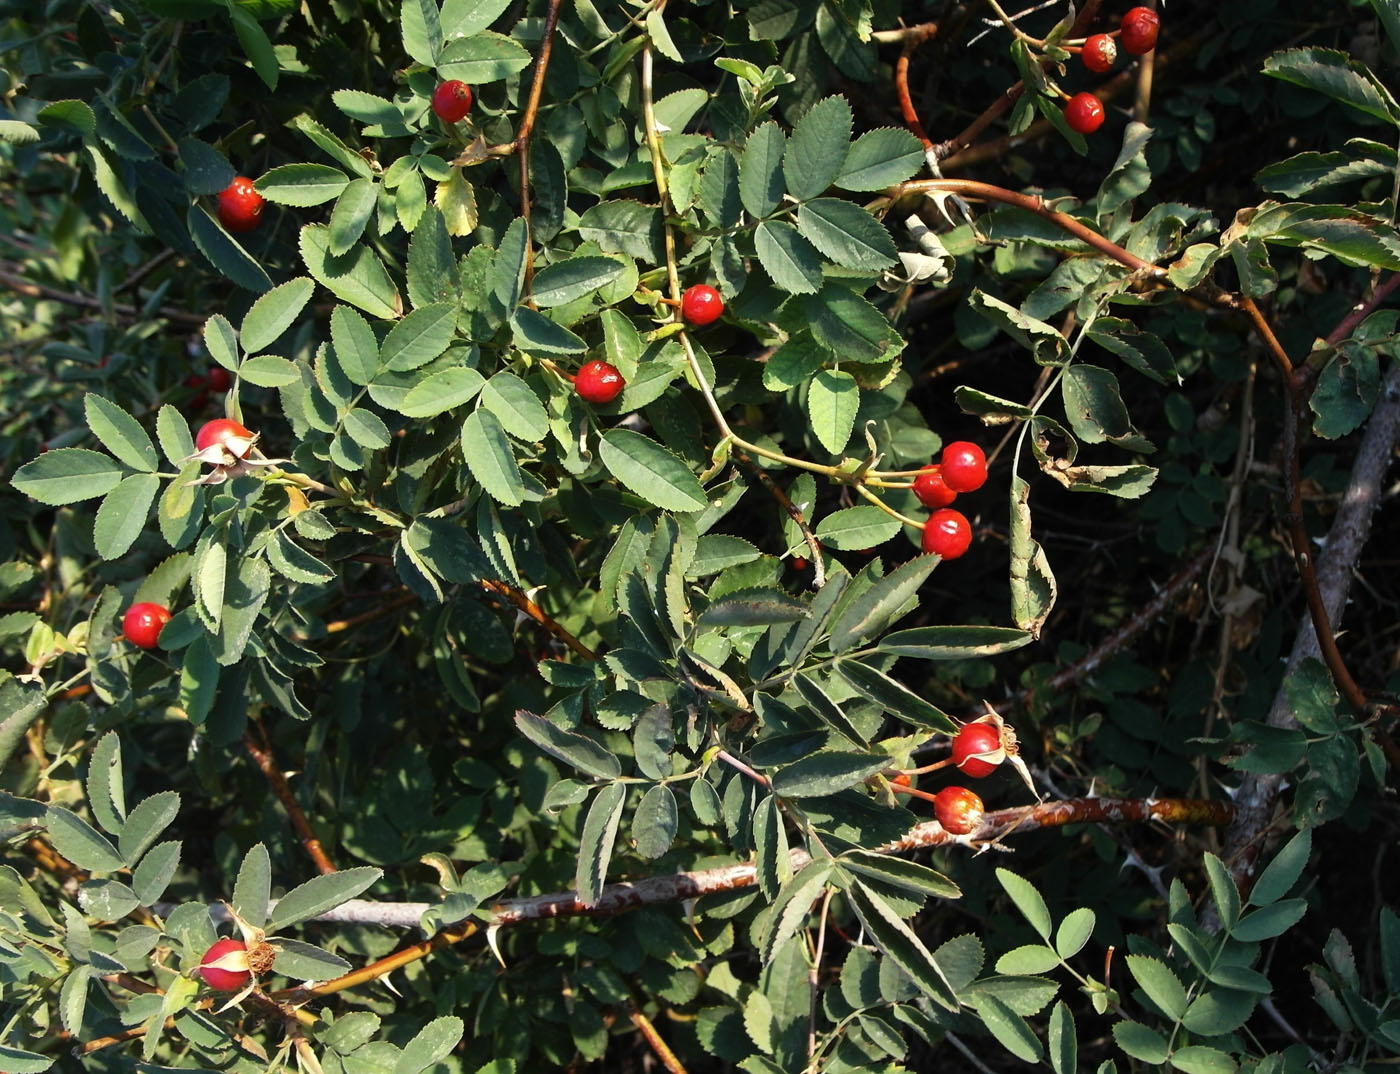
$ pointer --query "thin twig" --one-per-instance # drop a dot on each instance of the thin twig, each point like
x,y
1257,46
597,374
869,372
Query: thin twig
x,y
653,1039
261,753
913,37
527,125
1293,416
17,283
1087,664
794,513
524,604
1034,204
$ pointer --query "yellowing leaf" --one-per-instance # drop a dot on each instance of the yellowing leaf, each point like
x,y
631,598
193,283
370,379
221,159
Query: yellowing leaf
x,y
457,199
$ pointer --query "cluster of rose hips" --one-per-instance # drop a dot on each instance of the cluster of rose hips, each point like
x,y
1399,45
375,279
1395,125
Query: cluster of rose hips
x,y
230,449
600,383
979,748
963,468
241,206
1136,35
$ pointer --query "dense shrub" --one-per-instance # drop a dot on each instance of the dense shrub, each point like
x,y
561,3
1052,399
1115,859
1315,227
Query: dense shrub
x,y
565,652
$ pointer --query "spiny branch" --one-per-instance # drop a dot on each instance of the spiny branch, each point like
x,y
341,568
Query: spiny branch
x,y
677,887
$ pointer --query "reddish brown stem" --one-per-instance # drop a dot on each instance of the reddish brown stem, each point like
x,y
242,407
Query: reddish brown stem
x,y
1293,416
653,1039
520,601
527,124
1363,309
262,757
913,38
1067,223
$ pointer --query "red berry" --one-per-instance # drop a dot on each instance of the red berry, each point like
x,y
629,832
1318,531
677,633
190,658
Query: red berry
x,y
232,973
599,382
799,563
701,305
958,810
240,206
1084,113
224,433
1100,51
947,533
219,379
964,467
931,489
142,624
977,750
1138,31
452,100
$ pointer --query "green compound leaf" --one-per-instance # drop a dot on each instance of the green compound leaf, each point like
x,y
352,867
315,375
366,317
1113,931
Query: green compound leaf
x,y
224,252
900,944
826,773
573,749
484,57
572,279
302,184
491,459
1027,900
319,894
122,515
430,1045
358,277
761,170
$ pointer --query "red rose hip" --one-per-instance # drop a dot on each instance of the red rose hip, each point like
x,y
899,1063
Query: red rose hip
x,y
219,379
452,101
958,809
143,622
1100,52
964,466
931,489
599,382
1084,113
978,749
701,305
226,437
224,966
947,533
240,206
1137,33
